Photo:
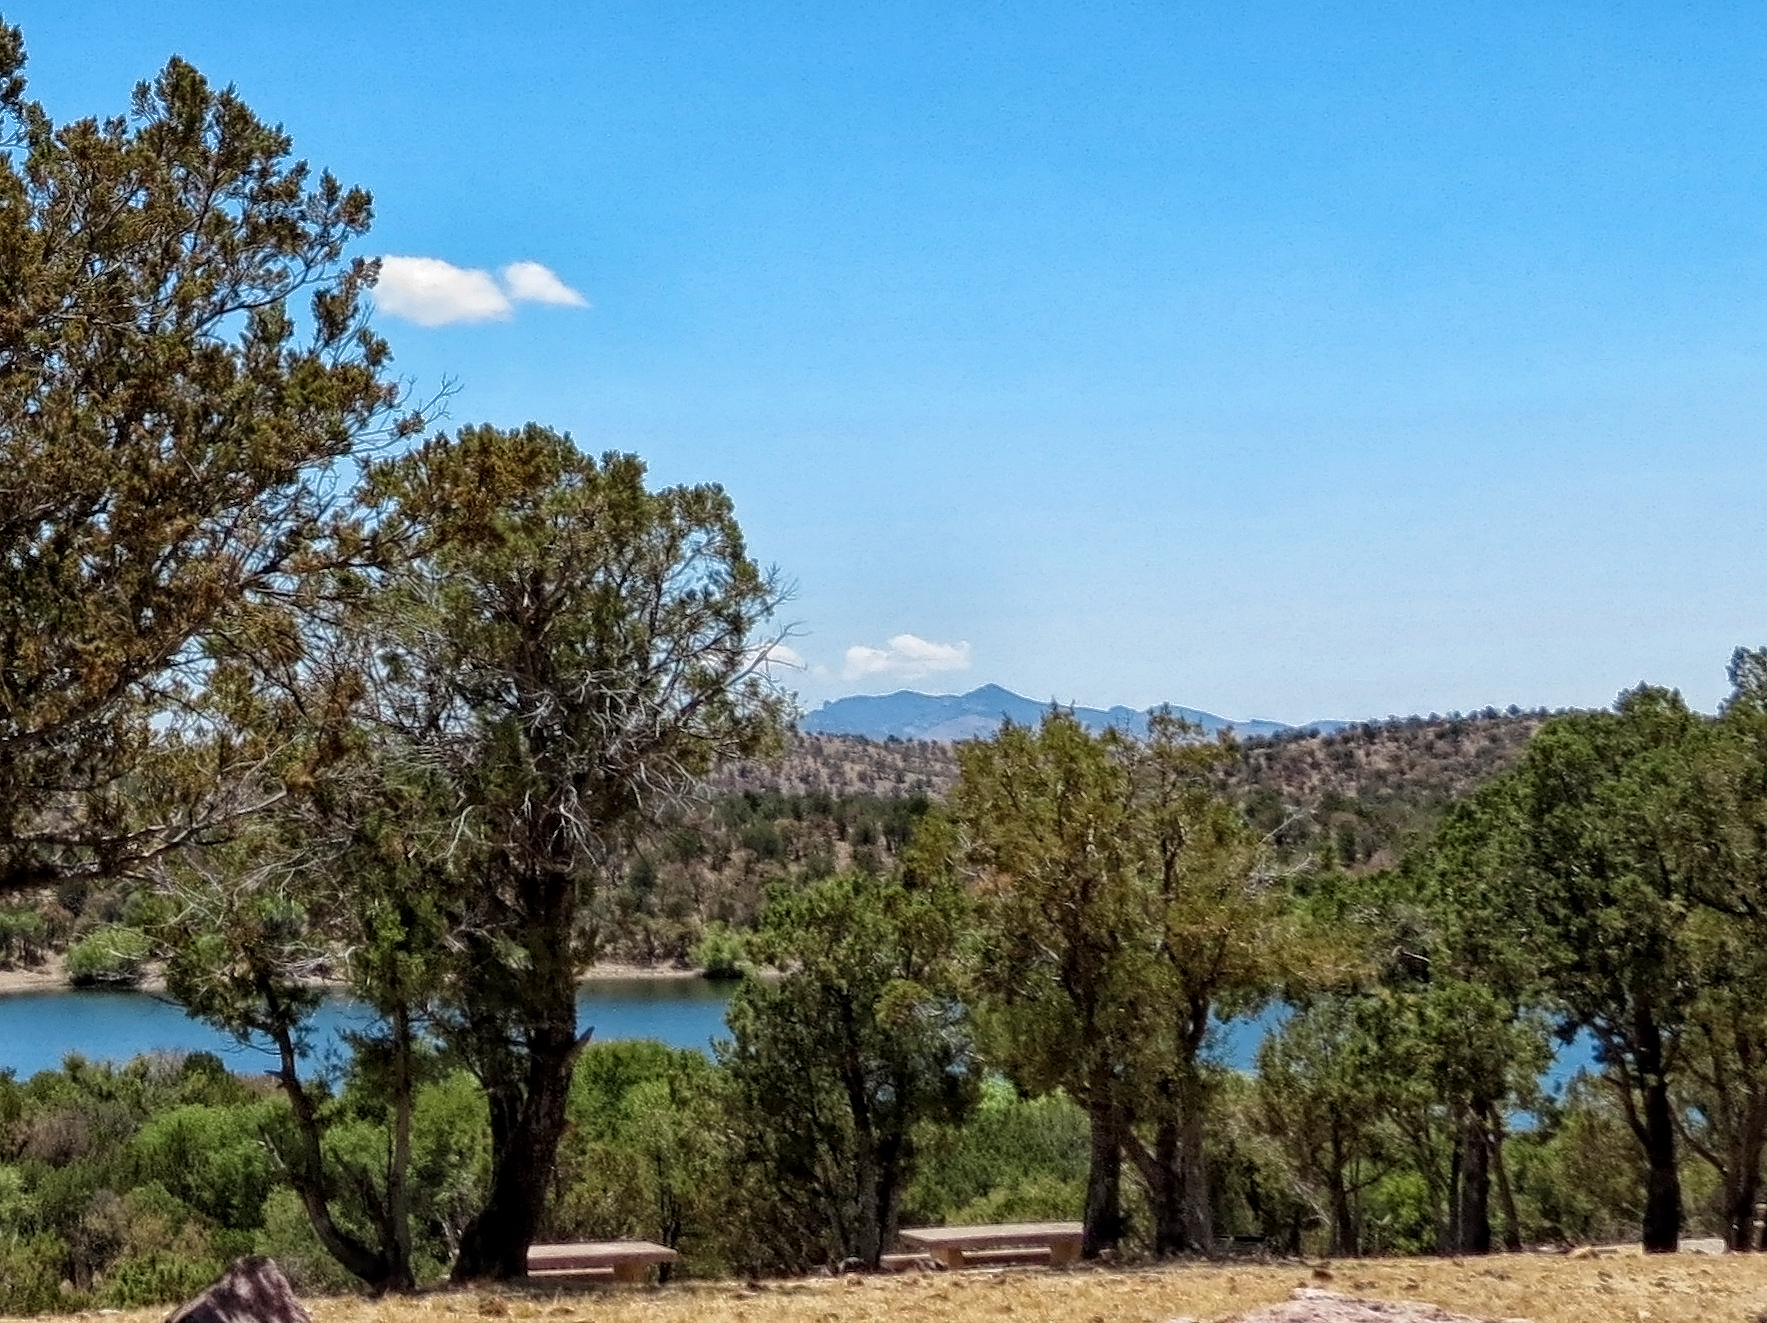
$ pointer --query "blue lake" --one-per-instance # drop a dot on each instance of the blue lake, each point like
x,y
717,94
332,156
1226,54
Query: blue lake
x,y
39,1029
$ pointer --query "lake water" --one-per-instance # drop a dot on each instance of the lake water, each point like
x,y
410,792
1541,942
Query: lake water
x,y
39,1029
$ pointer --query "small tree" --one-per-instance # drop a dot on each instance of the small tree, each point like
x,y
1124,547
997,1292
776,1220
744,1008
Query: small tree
x,y
1583,852
836,1065
1124,908
565,651
1065,966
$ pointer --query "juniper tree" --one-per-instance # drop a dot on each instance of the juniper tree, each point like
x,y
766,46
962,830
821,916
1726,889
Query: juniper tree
x,y
566,652
185,370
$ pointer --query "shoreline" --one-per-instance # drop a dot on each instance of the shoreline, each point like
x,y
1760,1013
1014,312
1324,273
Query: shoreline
x,y
51,976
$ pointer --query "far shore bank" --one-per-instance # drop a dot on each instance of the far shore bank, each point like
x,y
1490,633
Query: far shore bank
x,y
51,976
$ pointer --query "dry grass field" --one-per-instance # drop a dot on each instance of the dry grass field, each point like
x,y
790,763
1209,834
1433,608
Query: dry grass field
x,y
1620,1288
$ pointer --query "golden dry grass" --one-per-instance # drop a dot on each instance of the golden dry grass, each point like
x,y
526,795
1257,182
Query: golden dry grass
x,y
1549,1289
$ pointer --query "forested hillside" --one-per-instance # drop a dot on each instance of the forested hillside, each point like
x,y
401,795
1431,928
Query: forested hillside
x,y
1355,797
1366,789
1370,789
832,802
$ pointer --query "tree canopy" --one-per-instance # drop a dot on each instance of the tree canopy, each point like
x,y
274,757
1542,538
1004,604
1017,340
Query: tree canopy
x,y
185,370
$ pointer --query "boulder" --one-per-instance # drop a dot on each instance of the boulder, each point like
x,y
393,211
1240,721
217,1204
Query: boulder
x,y
251,1291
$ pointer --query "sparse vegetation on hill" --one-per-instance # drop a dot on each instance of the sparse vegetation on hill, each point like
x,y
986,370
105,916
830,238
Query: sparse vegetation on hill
x,y
847,765
1363,792
1360,795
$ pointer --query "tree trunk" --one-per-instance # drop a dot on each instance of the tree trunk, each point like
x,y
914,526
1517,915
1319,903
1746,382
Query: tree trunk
x,y
1198,1211
526,1123
1742,1164
377,1268
399,1168
1662,1191
1473,1212
1103,1222
1161,1170
1346,1238
892,1159
527,1089
1512,1222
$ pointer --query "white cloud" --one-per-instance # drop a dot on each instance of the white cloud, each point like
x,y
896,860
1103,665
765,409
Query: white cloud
x,y
905,657
431,292
532,283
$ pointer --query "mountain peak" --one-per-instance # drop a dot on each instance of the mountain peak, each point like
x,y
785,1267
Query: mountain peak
x,y
910,715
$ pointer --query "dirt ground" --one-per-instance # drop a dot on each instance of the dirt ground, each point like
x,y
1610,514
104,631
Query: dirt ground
x,y
1611,1288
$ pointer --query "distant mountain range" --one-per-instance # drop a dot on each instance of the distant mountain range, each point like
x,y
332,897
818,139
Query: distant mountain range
x,y
908,715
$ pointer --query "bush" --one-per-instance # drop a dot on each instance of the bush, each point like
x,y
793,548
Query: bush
x,y
30,1275
23,934
288,1238
111,956
1012,1153
721,953
156,1278
211,1158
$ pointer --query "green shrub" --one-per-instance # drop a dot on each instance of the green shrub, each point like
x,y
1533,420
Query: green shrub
x,y
1012,1151
30,1275
1042,1198
721,952
22,934
109,956
211,1158
288,1237
159,1277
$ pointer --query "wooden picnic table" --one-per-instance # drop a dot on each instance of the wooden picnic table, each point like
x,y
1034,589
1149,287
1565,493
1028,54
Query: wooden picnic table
x,y
615,1260
1002,1244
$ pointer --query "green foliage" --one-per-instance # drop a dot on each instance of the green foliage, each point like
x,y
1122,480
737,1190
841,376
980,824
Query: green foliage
x,y
128,1182
30,1274
185,361
1577,1174
836,1066
562,647
1123,904
645,1155
109,956
721,952
156,1278
24,934
287,1236
1014,1159
212,1159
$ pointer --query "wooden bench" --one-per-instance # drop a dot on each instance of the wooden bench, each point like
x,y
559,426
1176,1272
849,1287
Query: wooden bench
x,y
597,1260
1013,1244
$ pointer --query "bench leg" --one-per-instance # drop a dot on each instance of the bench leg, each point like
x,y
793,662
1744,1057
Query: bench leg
x,y
630,1272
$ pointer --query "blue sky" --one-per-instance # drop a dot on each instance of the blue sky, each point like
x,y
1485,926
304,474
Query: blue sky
x,y
1284,360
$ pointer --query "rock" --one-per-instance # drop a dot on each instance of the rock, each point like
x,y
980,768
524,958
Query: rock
x,y
251,1291
1308,1305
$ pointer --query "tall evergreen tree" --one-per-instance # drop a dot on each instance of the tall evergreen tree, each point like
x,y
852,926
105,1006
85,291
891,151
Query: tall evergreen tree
x,y
185,370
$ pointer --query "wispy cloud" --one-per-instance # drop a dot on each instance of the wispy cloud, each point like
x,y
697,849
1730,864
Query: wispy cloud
x,y
431,292
905,657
